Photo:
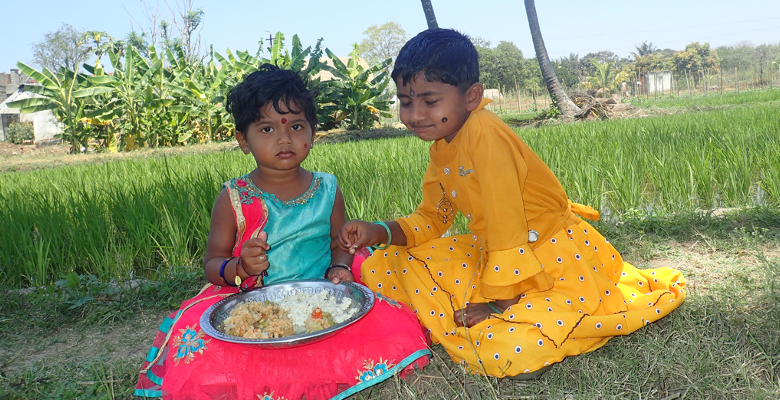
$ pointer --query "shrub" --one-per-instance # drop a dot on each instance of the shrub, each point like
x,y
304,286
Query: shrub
x,y
20,132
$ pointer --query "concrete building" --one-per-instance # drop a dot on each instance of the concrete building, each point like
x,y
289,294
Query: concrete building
x,y
659,81
44,123
9,82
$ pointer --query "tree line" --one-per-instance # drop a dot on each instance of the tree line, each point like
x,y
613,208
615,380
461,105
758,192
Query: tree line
x,y
164,93
504,66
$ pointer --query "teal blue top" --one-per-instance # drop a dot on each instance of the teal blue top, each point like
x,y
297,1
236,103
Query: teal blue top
x,y
298,229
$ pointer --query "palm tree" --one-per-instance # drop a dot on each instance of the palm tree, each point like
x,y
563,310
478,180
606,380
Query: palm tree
x,y
604,78
429,15
569,110
645,49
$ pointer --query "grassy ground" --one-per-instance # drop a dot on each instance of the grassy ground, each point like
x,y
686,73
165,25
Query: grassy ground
x,y
83,339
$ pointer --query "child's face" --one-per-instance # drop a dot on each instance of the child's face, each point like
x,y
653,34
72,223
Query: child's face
x,y
435,110
278,141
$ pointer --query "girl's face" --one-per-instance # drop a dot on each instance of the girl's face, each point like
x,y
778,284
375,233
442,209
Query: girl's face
x,y
435,110
278,141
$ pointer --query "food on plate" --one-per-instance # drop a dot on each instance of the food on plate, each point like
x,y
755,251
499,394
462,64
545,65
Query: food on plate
x,y
297,313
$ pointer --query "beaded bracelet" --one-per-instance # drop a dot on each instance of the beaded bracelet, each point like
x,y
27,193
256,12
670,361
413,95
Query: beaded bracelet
x,y
389,236
222,272
492,305
337,265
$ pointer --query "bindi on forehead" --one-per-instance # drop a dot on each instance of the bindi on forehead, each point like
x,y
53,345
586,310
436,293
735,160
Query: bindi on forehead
x,y
284,120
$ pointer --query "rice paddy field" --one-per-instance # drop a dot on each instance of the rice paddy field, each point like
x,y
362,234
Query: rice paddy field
x,y
133,217
92,256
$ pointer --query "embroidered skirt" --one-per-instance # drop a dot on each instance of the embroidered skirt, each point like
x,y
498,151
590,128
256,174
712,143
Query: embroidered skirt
x,y
185,363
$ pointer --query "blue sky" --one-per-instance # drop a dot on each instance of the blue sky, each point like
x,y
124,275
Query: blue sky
x,y
568,26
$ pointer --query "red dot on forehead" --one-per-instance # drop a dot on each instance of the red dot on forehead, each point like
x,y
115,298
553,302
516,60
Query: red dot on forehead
x,y
284,120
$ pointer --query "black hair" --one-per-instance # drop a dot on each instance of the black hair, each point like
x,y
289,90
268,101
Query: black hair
x,y
443,55
271,84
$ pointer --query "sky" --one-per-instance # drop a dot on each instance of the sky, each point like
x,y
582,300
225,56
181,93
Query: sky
x,y
567,26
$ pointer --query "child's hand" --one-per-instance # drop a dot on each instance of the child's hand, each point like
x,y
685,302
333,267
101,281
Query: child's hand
x,y
338,275
254,256
356,234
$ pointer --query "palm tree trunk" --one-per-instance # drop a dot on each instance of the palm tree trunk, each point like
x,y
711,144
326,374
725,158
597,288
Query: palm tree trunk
x,y
568,109
429,15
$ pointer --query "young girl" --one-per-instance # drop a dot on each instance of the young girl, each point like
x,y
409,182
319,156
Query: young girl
x,y
533,282
278,223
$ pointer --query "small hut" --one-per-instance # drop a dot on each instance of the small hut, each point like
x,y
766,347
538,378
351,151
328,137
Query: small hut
x,y
44,123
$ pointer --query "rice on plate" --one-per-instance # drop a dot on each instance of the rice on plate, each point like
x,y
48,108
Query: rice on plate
x,y
297,313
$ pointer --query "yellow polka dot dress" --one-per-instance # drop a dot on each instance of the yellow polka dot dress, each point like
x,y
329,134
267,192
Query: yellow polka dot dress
x,y
575,290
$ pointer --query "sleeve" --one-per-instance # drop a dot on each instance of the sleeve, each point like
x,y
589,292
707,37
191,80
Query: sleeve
x,y
426,223
511,265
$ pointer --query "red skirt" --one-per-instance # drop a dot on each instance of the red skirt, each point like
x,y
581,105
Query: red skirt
x,y
186,363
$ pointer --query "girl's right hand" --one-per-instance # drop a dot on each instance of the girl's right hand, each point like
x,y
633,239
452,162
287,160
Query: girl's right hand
x,y
254,254
356,234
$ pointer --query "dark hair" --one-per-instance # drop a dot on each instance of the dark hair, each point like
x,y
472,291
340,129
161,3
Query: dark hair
x,y
270,84
443,55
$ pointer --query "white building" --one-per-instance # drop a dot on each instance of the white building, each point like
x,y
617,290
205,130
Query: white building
x,y
659,81
44,123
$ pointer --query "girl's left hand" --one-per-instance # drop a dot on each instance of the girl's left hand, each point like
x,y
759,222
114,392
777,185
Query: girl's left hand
x,y
337,275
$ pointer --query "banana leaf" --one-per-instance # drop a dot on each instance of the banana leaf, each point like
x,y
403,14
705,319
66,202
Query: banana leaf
x,y
38,89
92,91
38,76
30,103
277,47
185,109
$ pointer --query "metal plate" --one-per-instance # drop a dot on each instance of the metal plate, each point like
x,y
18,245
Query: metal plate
x,y
362,301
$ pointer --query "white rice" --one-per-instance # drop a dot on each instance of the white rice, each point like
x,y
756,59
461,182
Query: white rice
x,y
300,306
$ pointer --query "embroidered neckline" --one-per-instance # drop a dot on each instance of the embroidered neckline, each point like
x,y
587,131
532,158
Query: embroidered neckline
x,y
248,190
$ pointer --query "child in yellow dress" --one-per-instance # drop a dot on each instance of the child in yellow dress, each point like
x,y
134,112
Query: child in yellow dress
x,y
533,283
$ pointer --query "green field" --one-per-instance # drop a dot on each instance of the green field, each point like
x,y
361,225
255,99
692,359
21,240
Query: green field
x,y
93,256
134,217
714,99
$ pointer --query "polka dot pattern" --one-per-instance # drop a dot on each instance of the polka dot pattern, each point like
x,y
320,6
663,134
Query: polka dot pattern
x,y
585,305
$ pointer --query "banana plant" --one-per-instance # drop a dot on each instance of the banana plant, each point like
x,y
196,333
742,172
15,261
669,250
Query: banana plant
x,y
355,97
202,96
605,77
66,94
133,85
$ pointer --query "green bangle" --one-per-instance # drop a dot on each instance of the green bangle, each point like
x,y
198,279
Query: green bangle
x,y
389,236
492,305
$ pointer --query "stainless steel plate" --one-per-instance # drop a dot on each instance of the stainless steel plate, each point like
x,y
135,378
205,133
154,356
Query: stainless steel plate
x,y
362,301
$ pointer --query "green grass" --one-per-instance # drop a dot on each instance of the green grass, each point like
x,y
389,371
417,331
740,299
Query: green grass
x,y
722,343
713,99
140,216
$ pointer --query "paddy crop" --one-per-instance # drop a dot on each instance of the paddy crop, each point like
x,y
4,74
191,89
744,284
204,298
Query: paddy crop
x,y
714,99
142,216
